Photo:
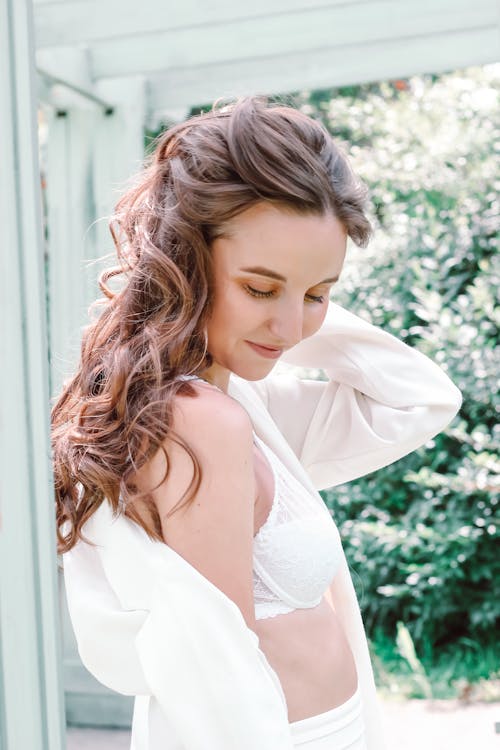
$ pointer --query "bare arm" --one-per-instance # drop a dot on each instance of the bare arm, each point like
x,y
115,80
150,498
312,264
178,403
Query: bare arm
x,y
214,533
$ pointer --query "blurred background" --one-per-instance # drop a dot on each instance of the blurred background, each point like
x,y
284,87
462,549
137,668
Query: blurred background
x,y
410,89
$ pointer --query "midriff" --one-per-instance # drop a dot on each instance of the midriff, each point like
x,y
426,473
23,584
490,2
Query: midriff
x,y
309,652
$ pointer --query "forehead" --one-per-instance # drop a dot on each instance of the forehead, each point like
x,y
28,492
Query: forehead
x,y
303,246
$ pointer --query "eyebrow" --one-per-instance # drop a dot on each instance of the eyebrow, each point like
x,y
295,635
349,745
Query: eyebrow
x,y
261,271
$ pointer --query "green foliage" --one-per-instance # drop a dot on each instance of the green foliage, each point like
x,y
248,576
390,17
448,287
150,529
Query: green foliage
x,y
420,534
464,669
406,648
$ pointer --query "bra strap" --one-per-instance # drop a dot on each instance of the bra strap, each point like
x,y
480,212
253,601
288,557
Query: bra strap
x,y
197,377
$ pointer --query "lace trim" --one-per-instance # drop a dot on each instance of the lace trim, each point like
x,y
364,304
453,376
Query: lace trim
x,y
279,513
263,610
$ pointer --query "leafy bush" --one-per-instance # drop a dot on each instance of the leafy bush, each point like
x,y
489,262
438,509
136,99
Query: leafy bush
x,y
420,534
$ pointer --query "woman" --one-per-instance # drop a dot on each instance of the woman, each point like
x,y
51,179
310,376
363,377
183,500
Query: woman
x,y
214,586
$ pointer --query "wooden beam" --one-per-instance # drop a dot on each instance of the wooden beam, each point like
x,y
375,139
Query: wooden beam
x,y
302,32
322,69
62,22
68,83
50,81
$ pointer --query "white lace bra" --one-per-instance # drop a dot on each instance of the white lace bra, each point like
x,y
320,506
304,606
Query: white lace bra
x,y
297,550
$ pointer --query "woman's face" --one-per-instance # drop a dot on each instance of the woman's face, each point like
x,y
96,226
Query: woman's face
x,y
273,271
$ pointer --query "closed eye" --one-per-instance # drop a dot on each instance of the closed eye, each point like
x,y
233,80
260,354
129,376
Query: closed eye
x,y
259,293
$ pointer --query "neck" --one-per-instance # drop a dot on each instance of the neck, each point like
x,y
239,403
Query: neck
x,y
217,375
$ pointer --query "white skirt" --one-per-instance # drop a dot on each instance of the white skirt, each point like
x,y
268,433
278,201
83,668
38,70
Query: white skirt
x,y
341,728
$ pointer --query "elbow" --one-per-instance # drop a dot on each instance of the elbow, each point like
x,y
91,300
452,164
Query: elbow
x,y
444,399
441,414
453,403
457,400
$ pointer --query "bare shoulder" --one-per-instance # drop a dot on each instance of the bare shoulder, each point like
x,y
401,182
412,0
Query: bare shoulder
x,y
211,428
211,420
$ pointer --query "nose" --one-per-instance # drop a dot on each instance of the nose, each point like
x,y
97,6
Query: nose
x,y
287,324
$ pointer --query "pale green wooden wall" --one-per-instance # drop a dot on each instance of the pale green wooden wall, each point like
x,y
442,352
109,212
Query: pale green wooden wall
x,y
107,68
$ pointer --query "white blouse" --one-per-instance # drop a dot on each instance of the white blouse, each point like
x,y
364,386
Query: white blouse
x,y
148,624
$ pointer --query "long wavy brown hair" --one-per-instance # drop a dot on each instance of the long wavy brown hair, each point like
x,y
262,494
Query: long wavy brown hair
x,y
115,412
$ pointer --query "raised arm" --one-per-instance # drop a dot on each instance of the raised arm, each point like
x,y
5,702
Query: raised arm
x,y
382,400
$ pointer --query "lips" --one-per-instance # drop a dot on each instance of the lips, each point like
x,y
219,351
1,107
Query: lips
x,y
270,352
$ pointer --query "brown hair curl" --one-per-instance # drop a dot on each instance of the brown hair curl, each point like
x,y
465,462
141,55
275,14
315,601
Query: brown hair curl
x,y
114,414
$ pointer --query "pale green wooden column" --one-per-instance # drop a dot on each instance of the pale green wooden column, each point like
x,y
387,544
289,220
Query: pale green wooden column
x,y
91,152
70,241
117,148
118,156
31,698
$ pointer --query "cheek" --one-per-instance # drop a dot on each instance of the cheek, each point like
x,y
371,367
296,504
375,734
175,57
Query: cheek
x,y
230,312
314,319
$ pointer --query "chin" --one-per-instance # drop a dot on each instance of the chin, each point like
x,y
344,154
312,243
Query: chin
x,y
253,372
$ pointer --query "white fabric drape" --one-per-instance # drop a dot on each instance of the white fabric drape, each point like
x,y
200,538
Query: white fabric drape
x,y
149,624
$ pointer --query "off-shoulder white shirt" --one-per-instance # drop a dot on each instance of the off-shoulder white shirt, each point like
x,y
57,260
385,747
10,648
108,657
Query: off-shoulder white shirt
x,y
148,624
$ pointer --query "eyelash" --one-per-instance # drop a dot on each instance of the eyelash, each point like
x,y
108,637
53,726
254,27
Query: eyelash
x,y
258,293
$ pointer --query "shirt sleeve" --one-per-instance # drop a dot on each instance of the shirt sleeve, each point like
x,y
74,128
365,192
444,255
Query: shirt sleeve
x,y
148,623
382,399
